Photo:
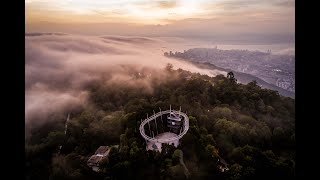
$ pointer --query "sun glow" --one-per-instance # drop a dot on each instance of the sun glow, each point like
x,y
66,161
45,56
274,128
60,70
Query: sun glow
x,y
176,16
136,11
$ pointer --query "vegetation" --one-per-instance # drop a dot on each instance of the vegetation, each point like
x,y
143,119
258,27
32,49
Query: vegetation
x,y
252,129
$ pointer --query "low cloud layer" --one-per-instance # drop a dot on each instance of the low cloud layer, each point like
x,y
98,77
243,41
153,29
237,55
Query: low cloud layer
x,y
58,67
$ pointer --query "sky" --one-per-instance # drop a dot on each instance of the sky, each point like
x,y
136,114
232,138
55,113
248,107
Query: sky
x,y
239,19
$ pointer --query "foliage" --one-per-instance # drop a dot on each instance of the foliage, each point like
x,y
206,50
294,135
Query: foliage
x,y
250,128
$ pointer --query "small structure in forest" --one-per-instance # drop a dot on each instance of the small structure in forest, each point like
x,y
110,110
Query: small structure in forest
x,y
222,165
101,153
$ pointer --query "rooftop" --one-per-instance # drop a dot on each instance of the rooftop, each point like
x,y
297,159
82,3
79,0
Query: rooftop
x,y
94,160
102,150
100,153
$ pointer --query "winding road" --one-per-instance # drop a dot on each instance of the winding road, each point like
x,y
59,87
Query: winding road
x,y
186,171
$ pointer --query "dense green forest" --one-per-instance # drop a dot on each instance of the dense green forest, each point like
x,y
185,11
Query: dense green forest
x,y
251,128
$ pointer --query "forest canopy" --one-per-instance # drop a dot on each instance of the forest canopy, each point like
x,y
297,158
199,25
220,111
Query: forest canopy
x,y
250,128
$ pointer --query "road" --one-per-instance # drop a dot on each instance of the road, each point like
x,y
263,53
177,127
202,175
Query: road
x,y
186,171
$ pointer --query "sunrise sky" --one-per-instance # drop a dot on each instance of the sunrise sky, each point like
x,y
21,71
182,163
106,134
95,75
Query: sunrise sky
x,y
162,17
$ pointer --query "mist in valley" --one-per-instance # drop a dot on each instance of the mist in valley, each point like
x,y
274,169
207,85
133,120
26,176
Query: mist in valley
x,y
59,68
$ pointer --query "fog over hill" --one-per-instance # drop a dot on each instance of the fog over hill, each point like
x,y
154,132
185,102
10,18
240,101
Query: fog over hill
x,y
58,68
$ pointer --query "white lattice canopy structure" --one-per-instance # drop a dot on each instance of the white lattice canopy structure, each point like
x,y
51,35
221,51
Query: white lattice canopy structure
x,y
164,127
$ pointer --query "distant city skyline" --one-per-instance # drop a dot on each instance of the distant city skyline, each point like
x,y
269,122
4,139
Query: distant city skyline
x,y
239,19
